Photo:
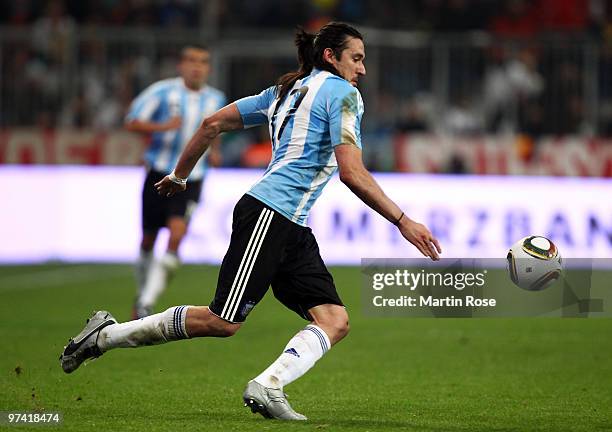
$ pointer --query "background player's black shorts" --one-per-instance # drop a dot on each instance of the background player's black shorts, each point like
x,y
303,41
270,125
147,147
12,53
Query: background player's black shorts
x,y
267,249
156,209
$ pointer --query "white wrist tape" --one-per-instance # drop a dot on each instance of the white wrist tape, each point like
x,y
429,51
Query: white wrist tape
x,y
174,179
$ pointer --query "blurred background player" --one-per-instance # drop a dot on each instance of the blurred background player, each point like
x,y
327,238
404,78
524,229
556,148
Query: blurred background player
x,y
170,110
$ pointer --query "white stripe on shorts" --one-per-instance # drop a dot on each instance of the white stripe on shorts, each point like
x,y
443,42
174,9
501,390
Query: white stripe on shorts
x,y
246,265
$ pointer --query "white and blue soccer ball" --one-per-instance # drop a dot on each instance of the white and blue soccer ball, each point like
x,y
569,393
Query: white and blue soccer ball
x,y
534,263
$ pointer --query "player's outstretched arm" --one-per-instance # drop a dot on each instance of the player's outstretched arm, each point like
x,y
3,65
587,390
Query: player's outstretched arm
x,y
226,119
354,174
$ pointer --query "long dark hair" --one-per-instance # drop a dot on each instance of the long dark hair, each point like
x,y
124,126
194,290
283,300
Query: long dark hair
x,y
310,52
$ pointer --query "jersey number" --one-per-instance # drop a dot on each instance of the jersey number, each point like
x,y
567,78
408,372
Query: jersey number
x,y
302,93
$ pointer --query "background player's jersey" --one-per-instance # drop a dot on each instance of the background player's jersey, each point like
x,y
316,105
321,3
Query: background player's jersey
x,y
320,112
171,98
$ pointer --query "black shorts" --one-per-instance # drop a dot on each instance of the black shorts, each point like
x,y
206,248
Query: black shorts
x,y
157,209
267,249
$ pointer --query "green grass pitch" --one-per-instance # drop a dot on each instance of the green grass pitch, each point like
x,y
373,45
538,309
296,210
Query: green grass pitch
x,y
388,375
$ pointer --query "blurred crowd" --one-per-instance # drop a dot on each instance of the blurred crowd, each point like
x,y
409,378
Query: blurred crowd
x,y
534,75
165,13
508,17
513,17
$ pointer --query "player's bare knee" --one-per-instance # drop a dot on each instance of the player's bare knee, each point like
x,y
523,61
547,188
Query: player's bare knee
x,y
341,320
345,329
335,323
221,328
228,330
202,322
341,328
177,226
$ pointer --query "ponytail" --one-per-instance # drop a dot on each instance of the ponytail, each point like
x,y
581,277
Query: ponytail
x,y
310,47
305,44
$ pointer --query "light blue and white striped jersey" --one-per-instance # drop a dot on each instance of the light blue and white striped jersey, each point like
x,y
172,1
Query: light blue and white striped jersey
x,y
320,112
171,98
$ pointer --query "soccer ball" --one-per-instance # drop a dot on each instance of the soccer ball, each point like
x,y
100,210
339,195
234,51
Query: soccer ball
x,y
534,263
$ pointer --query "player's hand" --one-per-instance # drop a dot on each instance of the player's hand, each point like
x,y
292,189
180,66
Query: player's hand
x,y
420,237
173,123
166,187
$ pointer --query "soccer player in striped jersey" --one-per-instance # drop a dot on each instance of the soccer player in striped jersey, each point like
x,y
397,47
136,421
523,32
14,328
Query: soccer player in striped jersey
x,y
313,116
170,111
